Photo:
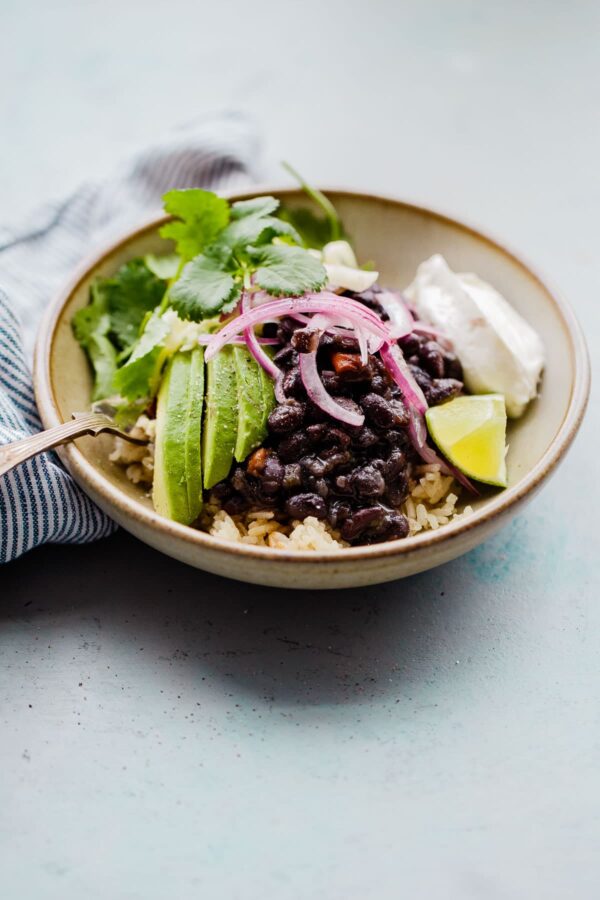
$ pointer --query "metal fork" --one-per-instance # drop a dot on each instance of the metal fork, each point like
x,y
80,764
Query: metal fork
x,y
93,423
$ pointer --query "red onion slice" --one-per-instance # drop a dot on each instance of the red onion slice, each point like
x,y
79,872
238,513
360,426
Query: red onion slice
x,y
319,396
345,309
401,321
253,345
400,372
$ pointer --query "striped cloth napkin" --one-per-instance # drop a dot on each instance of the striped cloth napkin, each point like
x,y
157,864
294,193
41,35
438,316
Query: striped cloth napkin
x,y
39,501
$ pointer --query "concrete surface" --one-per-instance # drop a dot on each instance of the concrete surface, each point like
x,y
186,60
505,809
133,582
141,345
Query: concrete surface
x,y
170,734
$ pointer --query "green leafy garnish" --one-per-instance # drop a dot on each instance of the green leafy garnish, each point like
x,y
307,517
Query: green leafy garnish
x,y
287,270
205,288
130,294
314,231
252,223
212,282
257,206
165,267
91,326
201,216
140,375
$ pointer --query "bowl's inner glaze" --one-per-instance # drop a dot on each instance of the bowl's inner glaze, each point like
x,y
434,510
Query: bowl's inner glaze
x,y
396,237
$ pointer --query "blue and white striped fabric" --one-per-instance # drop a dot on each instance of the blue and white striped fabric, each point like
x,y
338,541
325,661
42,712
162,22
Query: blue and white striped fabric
x,y
39,502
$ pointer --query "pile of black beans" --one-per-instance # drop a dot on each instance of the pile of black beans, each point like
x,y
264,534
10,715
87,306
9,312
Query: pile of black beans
x,y
313,465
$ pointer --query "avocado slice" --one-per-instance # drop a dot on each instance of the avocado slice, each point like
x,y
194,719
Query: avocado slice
x,y
268,399
252,404
177,487
220,418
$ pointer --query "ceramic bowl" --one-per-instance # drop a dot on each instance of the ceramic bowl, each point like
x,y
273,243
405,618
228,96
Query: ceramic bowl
x,y
398,236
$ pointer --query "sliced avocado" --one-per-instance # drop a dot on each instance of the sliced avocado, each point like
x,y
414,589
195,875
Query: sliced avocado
x,y
251,403
220,418
268,397
177,488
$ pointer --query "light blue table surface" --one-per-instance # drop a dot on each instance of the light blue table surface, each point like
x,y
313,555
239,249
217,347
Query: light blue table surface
x,y
170,734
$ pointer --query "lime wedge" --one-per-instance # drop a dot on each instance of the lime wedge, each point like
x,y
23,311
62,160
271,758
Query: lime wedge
x,y
471,433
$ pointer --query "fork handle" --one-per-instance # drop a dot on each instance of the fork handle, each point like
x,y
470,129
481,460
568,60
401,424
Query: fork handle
x,y
86,423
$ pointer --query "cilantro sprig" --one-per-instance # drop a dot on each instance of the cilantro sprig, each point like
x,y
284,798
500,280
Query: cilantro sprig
x,y
241,253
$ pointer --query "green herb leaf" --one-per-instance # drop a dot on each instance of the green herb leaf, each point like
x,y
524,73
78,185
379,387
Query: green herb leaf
x,y
91,326
257,206
140,375
204,289
131,293
256,230
165,267
285,270
314,231
201,216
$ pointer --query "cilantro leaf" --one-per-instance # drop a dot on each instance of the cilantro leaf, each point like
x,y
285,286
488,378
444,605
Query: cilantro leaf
x,y
287,270
255,230
91,326
204,289
164,267
131,293
257,206
201,215
140,375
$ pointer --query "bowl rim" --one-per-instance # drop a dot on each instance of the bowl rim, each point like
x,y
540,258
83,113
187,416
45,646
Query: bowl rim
x,y
89,477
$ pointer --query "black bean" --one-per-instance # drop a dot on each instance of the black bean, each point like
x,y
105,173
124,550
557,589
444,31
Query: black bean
x,y
348,404
397,438
367,481
452,366
397,490
443,389
335,458
340,343
359,521
271,476
269,329
302,505
222,490
392,527
286,358
292,384
366,437
235,505
421,377
314,465
432,359
395,464
293,447
379,384
338,512
411,345
287,417
322,433
331,382
384,413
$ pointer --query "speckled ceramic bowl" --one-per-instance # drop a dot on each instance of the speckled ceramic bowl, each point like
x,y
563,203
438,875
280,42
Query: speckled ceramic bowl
x,y
398,236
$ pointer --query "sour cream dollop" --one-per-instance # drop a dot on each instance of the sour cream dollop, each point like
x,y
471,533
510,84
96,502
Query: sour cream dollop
x,y
499,351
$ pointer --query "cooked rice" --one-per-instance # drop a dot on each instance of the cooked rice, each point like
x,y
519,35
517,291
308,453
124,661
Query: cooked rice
x,y
432,502
138,459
